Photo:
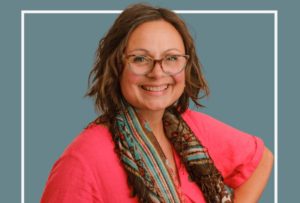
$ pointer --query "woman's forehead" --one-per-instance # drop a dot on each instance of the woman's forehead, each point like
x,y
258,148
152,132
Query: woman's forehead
x,y
155,36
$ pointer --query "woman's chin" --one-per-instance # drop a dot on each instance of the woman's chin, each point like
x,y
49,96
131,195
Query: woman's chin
x,y
154,106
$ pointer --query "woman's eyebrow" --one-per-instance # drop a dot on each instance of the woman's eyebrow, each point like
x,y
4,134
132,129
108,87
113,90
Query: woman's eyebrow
x,y
172,49
148,52
139,49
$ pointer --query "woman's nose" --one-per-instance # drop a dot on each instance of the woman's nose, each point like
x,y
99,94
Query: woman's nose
x,y
157,70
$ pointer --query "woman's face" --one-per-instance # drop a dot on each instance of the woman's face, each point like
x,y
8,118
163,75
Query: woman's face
x,y
156,90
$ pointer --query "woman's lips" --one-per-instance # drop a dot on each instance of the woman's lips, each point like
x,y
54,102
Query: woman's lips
x,y
156,88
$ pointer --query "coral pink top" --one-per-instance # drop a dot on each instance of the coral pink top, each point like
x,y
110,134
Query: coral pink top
x,y
89,171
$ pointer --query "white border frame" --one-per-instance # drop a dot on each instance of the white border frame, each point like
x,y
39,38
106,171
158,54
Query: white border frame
x,y
273,12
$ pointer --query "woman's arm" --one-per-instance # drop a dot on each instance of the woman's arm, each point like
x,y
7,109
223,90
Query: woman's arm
x,y
251,190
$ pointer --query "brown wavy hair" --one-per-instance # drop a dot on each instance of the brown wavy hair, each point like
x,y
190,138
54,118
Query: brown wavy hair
x,y
104,86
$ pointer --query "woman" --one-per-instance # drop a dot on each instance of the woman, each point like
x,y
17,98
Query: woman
x,y
147,146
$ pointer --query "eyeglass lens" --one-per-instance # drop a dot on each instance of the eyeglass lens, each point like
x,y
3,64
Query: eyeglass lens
x,y
171,64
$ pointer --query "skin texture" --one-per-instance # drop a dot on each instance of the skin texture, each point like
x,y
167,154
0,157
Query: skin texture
x,y
156,39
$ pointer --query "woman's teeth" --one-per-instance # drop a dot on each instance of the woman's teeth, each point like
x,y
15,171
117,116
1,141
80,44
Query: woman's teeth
x,y
155,88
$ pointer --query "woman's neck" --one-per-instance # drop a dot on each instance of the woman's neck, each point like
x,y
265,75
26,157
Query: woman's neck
x,y
154,118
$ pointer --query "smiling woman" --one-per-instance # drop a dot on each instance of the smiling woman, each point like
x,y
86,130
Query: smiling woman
x,y
156,89
147,146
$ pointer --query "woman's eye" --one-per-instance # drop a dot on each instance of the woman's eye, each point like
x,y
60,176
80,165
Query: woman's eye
x,y
139,59
172,58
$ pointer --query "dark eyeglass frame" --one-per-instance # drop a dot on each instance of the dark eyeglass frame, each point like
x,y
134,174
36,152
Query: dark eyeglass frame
x,y
159,61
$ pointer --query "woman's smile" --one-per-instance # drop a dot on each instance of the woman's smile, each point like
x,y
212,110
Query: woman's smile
x,y
156,90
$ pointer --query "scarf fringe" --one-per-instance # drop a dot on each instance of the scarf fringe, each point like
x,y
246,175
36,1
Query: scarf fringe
x,y
210,181
138,188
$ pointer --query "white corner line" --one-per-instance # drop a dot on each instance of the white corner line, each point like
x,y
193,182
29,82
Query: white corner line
x,y
274,12
276,106
71,11
225,11
22,111
176,11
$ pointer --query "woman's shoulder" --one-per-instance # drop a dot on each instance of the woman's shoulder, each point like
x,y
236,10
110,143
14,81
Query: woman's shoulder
x,y
94,141
202,120
93,133
211,129
208,123
190,112
198,116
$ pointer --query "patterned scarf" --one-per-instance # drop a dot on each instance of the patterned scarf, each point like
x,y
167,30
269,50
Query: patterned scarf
x,y
145,163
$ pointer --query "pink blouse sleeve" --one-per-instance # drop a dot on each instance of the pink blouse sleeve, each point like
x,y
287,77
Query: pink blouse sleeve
x,y
235,153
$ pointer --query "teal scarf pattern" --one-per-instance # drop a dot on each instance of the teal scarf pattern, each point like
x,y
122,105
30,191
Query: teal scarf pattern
x,y
145,163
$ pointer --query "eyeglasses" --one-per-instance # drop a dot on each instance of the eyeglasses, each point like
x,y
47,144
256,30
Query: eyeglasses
x,y
170,64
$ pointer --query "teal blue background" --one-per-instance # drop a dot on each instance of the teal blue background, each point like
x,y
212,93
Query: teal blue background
x,y
236,51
